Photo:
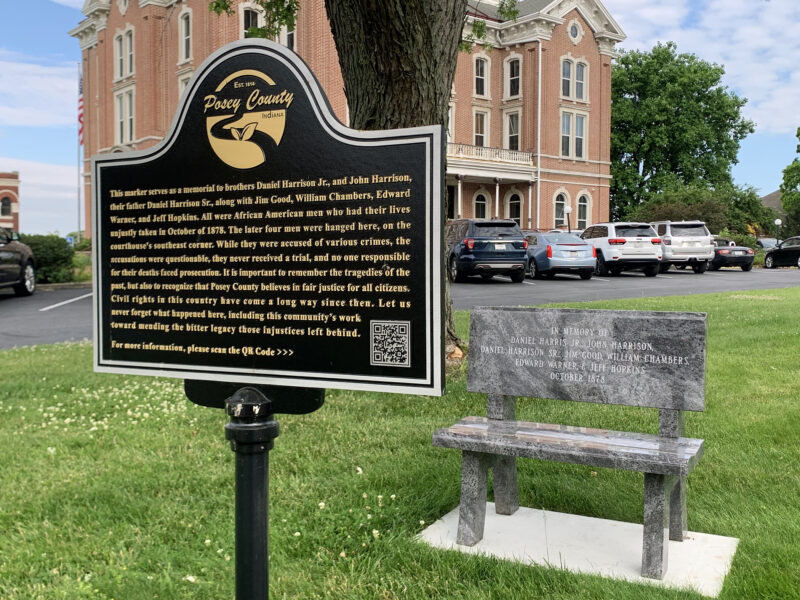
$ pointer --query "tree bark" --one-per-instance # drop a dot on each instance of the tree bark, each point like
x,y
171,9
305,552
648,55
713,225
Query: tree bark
x,y
398,59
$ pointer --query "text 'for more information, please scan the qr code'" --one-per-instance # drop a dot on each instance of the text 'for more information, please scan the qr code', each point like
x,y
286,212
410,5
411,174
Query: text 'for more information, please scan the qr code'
x,y
390,343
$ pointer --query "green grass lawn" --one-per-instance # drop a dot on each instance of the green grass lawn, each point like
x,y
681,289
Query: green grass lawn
x,y
118,487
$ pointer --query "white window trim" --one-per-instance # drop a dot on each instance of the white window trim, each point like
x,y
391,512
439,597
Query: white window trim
x,y
283,37
507,204
581,32
249,6
507,129
186,13
487,123
572,136
487,76
562,191
507,76
482,191
573,78
451,121
183,81
124,55
125,118
589,201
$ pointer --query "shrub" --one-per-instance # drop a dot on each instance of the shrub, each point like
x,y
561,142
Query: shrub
x,y
53,257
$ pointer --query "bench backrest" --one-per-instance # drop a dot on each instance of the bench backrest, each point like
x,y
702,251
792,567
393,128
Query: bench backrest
x,y
634,358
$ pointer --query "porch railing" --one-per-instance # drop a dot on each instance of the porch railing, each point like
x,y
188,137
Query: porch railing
x,y
487,153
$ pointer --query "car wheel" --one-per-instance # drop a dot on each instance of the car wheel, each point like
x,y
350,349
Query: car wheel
x,y
517,276
651,270
533,271
750,266
769,262
700,267
602,268
453,274
664,267
27,285
714,267
798,262
586,274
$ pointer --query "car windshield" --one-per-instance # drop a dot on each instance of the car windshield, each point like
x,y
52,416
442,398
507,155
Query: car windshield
x,y
563,238
497,230
722,242
635,231
689,230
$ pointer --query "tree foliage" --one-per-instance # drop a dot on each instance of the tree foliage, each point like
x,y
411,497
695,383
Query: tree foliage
x,y
790,195
736,209
672,123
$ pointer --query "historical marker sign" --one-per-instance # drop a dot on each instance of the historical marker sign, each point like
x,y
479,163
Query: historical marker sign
x,y
613,356
264,242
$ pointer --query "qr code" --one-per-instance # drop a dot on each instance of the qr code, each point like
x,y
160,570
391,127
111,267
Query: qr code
x,y
390,343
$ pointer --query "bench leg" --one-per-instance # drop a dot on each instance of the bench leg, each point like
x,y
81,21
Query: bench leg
x,y
656,518
506,495
472,511
677,510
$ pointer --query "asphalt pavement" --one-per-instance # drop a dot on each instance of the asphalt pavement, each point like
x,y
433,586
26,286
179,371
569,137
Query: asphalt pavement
x,y
64,314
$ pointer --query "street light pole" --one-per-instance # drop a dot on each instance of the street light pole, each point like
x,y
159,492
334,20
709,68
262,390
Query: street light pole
x,y
567,210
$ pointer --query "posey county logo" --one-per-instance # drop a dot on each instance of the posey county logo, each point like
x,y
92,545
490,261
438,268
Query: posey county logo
x,y
245,117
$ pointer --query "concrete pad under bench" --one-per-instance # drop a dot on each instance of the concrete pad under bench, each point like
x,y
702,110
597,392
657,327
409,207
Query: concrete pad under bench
x,y
589,545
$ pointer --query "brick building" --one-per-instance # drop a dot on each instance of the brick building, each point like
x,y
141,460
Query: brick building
x,y
529,114
9,200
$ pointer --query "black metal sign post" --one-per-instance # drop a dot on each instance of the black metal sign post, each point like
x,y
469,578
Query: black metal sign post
x,y
263,252
252,431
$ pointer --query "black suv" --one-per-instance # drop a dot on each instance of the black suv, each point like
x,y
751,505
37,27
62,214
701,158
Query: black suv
x,y
485,247
16,264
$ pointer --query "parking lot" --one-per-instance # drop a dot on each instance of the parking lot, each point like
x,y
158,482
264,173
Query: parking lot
x,y
65,314
500,291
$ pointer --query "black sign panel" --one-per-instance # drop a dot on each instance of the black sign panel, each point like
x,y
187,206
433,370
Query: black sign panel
x,y
264,242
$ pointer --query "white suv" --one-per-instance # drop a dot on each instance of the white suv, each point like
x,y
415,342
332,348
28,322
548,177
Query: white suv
x,y
624,246
685,243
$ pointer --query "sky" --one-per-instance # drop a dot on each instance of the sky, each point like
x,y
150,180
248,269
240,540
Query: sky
x,y
754,40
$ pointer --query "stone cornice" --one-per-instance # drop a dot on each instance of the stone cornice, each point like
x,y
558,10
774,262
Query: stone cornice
x,y
96,12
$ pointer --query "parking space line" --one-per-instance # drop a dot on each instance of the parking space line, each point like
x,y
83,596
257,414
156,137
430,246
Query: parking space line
x,y
599,279
65,302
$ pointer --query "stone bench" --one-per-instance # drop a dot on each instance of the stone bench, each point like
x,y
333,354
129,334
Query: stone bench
x,y
510,356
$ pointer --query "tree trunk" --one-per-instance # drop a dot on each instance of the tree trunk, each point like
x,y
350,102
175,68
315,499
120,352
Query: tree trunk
x,y
398,59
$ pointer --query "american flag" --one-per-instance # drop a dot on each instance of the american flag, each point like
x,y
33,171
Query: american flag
x,y
80,110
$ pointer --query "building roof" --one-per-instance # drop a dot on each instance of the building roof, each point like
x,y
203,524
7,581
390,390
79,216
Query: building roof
x,y
489,8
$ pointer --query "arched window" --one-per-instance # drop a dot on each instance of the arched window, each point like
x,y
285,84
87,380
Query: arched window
x,y
560,220
515,208
5,207
583,212
580,77
479,209
513,77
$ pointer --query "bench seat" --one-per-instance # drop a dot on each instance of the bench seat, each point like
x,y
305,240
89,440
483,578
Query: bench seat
x,y
579,445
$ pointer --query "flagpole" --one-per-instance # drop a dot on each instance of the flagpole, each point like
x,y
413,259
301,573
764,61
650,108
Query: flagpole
x,y
80,142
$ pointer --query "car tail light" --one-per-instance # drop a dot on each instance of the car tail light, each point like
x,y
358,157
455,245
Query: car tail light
x,y
469,243
750,251
616,241
594,252
725,251
549,251
655,241
524,244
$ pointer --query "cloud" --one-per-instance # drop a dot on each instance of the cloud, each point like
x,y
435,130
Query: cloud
x,y
76,4
38,95
48,196
754,40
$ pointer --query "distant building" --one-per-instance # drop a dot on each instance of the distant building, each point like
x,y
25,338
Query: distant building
x,y
529,129
9,200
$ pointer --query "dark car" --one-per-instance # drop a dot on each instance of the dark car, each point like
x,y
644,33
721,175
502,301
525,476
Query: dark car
x,y
485,247
551,253
16,264
784,254
728,254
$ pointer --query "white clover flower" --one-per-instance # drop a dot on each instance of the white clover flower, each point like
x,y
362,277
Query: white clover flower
x,y
321,505
375,533
359,471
